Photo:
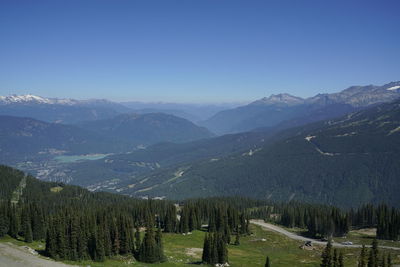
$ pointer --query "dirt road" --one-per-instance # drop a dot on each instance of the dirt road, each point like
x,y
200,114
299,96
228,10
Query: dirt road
x,y
15,256
294,236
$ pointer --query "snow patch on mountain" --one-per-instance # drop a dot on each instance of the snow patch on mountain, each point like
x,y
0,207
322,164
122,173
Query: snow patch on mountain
x,y
33,99
397,129
393,88
285,99
309,137
345,134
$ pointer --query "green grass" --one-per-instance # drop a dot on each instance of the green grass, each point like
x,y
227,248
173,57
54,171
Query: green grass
x,y
363,239
36,245
183,250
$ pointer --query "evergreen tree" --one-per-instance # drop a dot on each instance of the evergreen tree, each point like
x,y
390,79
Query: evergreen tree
x,y
61,248
160,247
14,222
99,246
147,248
115,238
206,256
242,224
4,226
211,223
389,260
28,237
151,248
170,220
73,232
51,245
374,248
38,224
222,250
373,260
82,242
227,233
335,258
214,249
327,255
247,226
267,262
363,256
184,221
237,239
383,261
138,241
341,259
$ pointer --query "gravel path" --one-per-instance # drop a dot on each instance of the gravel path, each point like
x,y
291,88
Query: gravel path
x,y
294,236
15,256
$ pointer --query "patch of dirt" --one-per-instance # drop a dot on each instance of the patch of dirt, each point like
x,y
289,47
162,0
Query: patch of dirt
x,y
366,231
56,189
16,256
194,252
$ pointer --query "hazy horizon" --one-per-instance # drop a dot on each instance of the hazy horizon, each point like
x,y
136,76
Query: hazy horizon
x,y
193,102
195,51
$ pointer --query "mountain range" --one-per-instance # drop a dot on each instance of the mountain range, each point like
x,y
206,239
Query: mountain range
x,y
65,111
346,161
287,109
318,149
70,111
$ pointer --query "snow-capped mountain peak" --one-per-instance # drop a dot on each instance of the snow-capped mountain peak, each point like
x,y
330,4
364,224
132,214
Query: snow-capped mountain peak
x,y
279,99
23,98
33,99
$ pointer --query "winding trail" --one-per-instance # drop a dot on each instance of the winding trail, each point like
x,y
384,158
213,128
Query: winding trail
x,y
16,256
294,236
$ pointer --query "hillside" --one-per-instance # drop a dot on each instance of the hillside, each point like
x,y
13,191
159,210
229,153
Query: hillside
x,y
285,108
190,111
29,139
103,173
70,224
146,129
346,162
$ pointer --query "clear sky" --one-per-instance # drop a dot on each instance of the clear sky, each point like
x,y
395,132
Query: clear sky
x,y
196,50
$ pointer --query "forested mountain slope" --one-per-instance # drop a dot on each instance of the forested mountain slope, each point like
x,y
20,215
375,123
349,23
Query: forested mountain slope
x,y
27,139
146,129
346,161
124,166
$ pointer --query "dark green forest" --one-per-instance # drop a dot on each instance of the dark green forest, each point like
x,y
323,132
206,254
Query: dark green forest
x,y
346,162
76,224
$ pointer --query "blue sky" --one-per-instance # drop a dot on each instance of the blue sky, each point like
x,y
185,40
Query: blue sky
x,y
195,50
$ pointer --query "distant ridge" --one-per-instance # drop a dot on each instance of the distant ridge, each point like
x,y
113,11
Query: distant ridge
x,y
59,110
276,109
33,99
149,128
